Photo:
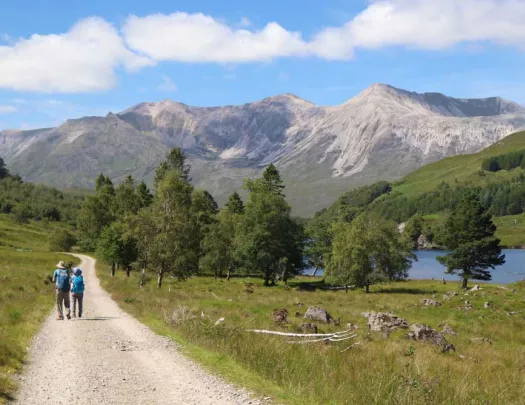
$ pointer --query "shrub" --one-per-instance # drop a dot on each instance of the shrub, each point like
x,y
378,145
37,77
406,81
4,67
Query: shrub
x,y
61,241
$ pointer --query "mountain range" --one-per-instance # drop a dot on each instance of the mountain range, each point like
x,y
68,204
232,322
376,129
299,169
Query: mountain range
x,y
382,133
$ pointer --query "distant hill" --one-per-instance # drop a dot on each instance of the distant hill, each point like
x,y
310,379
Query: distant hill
x,y
382,133
436,188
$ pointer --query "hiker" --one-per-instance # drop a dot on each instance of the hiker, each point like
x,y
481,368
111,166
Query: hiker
x,y
62,282
77,292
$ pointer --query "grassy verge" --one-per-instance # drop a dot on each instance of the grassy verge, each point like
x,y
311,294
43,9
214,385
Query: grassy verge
x,y
379,371
26,293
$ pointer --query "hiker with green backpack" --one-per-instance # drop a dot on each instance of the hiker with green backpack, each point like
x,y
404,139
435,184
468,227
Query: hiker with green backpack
x,y
62,280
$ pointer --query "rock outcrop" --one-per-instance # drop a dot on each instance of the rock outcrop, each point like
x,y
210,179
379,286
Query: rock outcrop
x,y
318,314
426,333
386,323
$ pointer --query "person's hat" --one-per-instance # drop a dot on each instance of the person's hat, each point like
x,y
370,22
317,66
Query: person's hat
x,y
77,271
61,265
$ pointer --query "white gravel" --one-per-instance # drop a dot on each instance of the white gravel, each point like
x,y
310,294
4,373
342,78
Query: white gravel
x,y
108,357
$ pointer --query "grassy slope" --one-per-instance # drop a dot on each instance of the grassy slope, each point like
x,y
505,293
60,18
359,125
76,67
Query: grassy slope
x,y
463,168
25,292
376,372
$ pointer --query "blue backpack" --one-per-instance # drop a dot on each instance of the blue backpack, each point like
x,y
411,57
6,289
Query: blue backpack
x,y
78,284
63,280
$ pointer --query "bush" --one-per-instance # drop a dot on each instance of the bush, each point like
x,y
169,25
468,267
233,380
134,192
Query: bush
x,y
61,241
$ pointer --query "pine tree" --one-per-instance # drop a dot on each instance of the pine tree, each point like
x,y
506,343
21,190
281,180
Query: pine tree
x,y
270,242
3,170
144,195
469,234
272,180
176,161
235,204
101,181
127,202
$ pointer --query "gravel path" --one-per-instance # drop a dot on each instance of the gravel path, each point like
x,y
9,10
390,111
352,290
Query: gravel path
x,y
108,357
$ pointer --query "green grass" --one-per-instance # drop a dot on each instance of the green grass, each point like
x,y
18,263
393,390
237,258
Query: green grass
x,y
461,169
26,293
511,230
376,372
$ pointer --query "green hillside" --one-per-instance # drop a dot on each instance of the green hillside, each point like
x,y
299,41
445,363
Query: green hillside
x,y
434,189
464,169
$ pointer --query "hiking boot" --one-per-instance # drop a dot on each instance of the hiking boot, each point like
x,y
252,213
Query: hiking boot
x,y
74,316
68,316
60,318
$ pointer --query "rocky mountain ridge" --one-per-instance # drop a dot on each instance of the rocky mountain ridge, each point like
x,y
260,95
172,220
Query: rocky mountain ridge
x,y
383,132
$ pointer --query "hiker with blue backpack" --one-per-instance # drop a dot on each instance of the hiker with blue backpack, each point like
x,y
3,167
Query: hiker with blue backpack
x,y
62,281
77,292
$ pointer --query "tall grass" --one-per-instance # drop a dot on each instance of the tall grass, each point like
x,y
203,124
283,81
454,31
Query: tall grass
x,y
379,371
26,293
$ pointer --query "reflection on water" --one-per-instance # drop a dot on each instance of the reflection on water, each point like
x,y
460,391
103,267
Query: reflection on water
x,y
428,267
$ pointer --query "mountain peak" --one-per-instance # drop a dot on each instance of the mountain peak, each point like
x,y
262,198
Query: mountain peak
x,y
287,98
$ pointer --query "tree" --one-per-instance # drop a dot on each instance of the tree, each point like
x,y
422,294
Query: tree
x,y
270,243
100,182
109,247
469,234
143,228
272,180
414,229
235,204
175,161
219,245
93,217
175,246
3,170
319,236
61,241
127,202
368,250
144,195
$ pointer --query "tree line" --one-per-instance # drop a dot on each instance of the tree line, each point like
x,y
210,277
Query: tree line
x,y
506,161
27,201
179,231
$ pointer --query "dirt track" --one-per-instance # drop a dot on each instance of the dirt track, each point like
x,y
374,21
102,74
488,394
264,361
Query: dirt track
x,y
108,357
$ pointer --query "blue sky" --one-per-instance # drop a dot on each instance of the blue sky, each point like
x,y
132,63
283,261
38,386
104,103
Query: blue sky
x,y
65,59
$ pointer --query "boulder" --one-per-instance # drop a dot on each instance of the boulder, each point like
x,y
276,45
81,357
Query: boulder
x,y
487,305
386,323
452,294
351,326
422,332
447,330
430,303
309,327
475,288
468,305
318,314
280,315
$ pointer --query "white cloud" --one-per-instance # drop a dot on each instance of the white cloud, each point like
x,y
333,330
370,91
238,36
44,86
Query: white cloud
x,y
82,60
7,109
186,37
429,24
87,57
167,84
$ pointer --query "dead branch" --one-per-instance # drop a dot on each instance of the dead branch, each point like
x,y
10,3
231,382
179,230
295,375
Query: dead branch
x,y
349,347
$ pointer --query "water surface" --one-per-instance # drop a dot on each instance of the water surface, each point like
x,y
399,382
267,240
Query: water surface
x,y
427,267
